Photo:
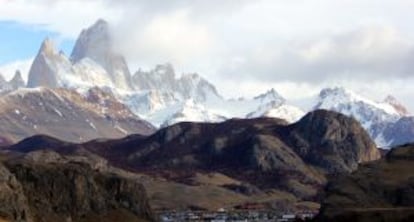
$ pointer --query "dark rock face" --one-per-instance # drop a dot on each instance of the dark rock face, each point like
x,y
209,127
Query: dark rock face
x,y
55,188
332,141
379,191
322,138
13,203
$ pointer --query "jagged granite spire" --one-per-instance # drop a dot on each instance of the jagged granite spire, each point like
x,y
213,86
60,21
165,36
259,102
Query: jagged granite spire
x,y
45,67
163,78
93,42
17,80
41,74
96,44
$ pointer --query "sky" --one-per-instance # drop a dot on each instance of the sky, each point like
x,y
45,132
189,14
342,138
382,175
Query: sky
x,y
243,47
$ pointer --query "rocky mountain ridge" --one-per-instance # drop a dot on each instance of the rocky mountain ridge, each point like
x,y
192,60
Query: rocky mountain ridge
x,y
67,115
263,159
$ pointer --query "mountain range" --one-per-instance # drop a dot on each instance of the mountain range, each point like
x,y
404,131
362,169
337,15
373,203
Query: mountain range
x,y
161,97
86,139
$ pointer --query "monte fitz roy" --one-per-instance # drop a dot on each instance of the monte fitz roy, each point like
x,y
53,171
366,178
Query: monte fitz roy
x,y
96,75
87,139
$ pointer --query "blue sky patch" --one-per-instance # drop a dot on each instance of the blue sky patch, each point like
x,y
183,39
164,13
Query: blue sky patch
x,y
20,41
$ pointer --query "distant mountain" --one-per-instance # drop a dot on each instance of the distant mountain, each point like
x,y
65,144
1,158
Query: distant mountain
x,y
400,132
386,122
158,95
377,191
95,43
48,67
67,115
92,63
265,159
164,99
163,78
15,83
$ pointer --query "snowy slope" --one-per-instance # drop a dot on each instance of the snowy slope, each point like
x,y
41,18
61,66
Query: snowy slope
x,y
164,107
374,116
193,112
287,112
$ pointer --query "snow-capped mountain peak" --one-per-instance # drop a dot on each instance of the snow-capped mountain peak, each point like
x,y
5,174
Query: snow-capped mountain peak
x,y
93,63
188,86
96,44
270,96
374,116
335,98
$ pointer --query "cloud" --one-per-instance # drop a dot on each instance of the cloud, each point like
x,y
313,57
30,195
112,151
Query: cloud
x,y
63,17
172,37
8,70
365,53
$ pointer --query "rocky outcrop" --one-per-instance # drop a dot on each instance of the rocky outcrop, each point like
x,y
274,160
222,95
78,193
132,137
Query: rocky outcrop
x,y
14,205
68,189
331,140
322,138
379,191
